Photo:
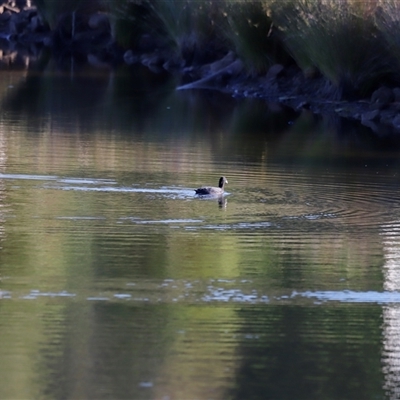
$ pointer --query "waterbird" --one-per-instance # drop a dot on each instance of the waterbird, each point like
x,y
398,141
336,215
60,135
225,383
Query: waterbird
x,y
215,191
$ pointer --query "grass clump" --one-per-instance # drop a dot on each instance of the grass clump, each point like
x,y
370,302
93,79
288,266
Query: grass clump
x,y
190,28
53,10
355,44
250,31
388,21
340,38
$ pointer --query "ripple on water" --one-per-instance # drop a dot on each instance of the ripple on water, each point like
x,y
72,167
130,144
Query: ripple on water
x,y
258,202
172,193
358,201
206,292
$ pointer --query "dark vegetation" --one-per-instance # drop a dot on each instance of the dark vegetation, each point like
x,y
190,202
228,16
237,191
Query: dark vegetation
x,y
325,55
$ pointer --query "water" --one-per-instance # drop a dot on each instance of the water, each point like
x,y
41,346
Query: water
x,y
117,282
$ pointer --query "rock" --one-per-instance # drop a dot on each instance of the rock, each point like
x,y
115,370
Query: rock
x,y
130,58
13,27
96,62
173,63
151,60
382,97
345,112
218,65
47,41
35,24
303,104
387,117
235,68
5,16
396,121
370,116
274,71
155,69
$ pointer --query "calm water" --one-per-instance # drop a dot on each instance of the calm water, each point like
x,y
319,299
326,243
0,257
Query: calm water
x,y
116,282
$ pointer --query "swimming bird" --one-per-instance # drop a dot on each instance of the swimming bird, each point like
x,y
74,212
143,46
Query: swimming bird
x,y
214,191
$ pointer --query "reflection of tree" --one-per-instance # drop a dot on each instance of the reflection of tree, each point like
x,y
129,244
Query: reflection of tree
x,y
297,352
4,209
391,312
83,96
111,351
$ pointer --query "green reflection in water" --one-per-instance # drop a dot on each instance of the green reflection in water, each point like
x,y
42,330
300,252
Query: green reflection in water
x,y
100,350
105,212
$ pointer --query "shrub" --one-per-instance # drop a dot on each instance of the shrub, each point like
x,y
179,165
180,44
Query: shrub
x,y
187,27
249,29
388,21
340,38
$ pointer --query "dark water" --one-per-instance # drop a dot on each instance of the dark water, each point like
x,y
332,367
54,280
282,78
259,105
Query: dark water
x,y
118,283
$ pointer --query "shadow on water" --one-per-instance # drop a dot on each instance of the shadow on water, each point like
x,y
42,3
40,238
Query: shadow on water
x,y
308,356
91,97
303,138
126,100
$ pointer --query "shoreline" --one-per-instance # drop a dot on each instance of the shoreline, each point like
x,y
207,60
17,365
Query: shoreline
x,y
24,31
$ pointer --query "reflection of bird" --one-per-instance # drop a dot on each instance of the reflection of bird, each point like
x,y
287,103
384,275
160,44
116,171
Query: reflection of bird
x,y
215,191
222,202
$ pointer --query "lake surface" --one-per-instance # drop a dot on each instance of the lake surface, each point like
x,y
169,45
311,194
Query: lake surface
x,y
116,282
